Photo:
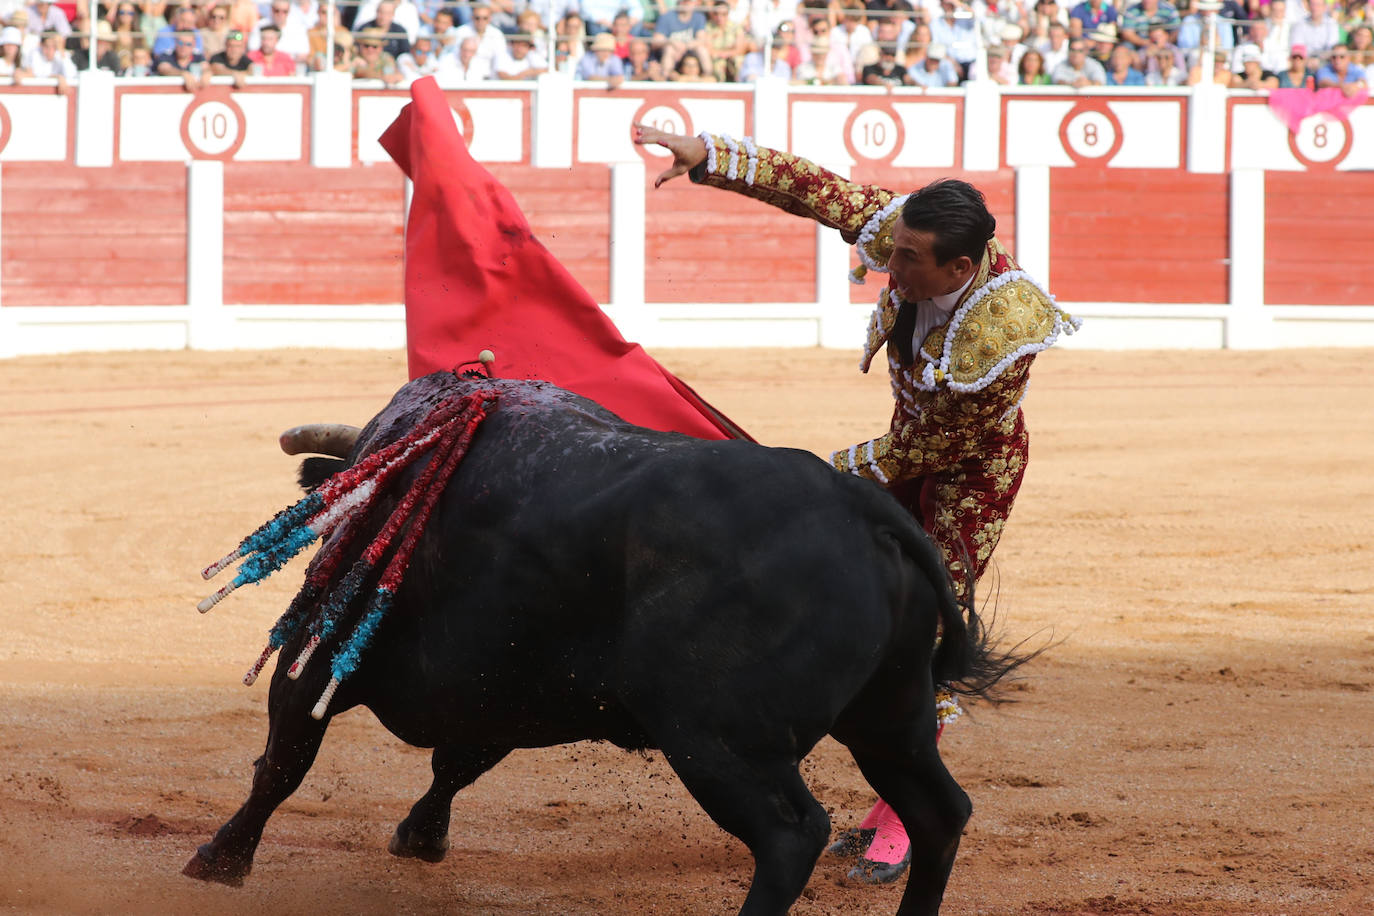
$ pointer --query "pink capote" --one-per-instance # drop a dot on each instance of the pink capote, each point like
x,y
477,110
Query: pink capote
x,y
1294,105
476,278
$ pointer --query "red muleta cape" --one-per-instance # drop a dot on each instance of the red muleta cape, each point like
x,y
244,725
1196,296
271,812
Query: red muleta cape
x,y
477,278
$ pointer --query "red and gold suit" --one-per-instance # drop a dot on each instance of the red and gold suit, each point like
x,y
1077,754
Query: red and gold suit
x,y
956,450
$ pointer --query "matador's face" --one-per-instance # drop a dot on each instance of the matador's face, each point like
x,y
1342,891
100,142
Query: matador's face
x,y
913,265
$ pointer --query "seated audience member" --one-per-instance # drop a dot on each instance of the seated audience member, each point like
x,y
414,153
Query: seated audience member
x,y
11,47
44,17
181,19
128,25
1340,73
269,60
1136,21
831,63
675,30
420,60
934,71
520,61
140,63
107,57
727,42
1164,69
244,16
1055,48
600,14
998,67
1079,70
184,61
887,72
1192,34
373,63
491,41
293,37
1318,31
1252,74
233,60
638,66
1361,47
689,70
1297,75
213,33
1121,68
446,32
1031,70
601,63
1221,71
397,38
1093,13
319,39
752,68
467,66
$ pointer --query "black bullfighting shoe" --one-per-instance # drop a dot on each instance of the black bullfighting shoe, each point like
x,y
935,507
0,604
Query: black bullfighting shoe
x,y
851,842
870,872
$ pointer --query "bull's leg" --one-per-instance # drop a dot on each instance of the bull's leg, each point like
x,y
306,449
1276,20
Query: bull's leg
x,y
293,739
763,801
424,832
934,811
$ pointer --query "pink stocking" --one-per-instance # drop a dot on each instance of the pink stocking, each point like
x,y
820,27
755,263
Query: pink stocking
x,y
890,842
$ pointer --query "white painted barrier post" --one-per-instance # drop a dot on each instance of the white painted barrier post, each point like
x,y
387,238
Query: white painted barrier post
x,y
95,106
626,307
1248,326
207,327
331,120
1033,222
551,133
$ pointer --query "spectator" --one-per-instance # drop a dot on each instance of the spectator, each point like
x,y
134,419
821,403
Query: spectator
x,y
1221,71
727,42
44,17
689,70
127,21
959,35
1101,41
785,48
1340,73
1252,74
268,59
140,62
529,23
601,63
107,58
997,68
1297,75
1011,36
1280,27
574,28
446,33
503,15
1046,13
599,15
675,30
520,61
420,60
1361,46
373,62
318,37
1159,41
638,66
243,16
1121,67
233,60
1031,70
1165,69
888,33
469,67
214,34
397,38
182,20
887,72
1192,33
1092,13
1137,21
831,63
1319,32
491,43
1078,69
754,67
854,30
11,46
403,13
621,31
935,71
184,61
1056,47
307,12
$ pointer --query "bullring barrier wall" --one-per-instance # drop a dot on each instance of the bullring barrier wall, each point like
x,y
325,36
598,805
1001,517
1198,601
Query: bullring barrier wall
x,y
134,214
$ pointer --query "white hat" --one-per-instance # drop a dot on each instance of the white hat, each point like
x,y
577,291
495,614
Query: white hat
x,y
936,52
1011,32
1249,52
11,36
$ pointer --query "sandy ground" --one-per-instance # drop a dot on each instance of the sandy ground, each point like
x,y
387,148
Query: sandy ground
x,y
1195,530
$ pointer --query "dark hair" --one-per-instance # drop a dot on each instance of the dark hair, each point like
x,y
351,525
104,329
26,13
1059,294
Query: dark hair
x,y
269,27
956,214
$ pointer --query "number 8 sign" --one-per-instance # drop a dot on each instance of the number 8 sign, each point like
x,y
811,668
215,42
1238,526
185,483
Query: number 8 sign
x,y
213,125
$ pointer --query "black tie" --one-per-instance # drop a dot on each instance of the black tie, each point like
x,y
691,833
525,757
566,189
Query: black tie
x,y
902,331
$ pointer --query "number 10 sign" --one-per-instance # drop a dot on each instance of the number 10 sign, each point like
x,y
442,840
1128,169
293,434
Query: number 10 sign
x,y
213,126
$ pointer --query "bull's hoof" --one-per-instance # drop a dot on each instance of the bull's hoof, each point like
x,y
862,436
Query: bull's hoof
x,y
408,844
870,872
205,866
852,842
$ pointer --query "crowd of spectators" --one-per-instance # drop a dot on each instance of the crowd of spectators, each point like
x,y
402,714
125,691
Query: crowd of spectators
x,y
1255,44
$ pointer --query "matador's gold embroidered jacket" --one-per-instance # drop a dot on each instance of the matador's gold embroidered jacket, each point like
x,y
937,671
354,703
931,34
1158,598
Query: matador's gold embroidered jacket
x,y
956,449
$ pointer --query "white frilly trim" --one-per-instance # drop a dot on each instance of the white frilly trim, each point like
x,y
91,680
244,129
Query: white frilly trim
x,y
1061,326
868,233
753,152
947,709
859,463
872,463
710,142
733,146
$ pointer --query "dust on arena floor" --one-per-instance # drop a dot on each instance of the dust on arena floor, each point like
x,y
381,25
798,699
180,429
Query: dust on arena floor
x,y
1194,528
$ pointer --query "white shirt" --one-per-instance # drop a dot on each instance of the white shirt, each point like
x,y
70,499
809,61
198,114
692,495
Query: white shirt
x,y
42,68
931,313
491,44
510,66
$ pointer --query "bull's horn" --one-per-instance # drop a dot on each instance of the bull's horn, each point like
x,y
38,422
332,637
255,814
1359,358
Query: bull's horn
x,y
334,439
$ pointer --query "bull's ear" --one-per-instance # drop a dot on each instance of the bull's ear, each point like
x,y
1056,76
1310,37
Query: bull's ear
x,y
315,471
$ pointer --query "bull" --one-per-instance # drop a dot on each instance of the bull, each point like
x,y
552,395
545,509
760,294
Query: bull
x,y
725,603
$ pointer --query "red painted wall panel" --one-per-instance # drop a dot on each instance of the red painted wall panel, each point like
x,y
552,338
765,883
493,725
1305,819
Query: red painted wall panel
x,y
569,211
1315,228
1138,235
296,234
999,188
98,236
706,245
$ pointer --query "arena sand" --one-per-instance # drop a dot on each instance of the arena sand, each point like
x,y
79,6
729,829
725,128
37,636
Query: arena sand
x,y
1194,533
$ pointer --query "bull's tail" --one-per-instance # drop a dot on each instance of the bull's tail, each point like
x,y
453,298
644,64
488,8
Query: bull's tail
x,y
967,660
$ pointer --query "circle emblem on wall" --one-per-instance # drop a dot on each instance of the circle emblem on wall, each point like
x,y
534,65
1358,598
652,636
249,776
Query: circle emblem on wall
x,y
669,117
463,118
5,127
874,133
1091,133
213,126
1321,142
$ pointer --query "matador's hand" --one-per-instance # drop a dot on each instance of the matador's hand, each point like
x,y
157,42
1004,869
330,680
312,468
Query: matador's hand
x,y
688,152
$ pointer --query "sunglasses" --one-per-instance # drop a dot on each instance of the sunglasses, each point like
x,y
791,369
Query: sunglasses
x,y
125,13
